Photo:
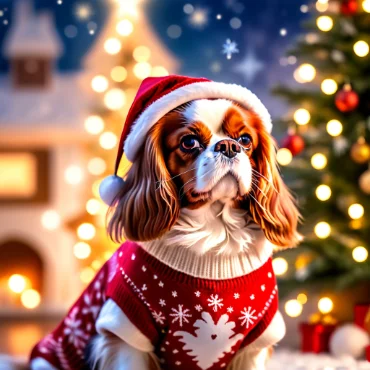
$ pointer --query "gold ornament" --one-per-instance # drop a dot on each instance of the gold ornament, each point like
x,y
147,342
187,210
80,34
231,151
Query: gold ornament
x,y
360,151
364,182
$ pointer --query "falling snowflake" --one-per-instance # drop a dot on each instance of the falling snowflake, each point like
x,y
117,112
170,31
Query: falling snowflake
x,y
215,302
174,294
73,331
158,317
230,309
229,48
263,287
180,314
161,284
248,316
162,302
252,297
90,308
198,307
144,287
197,293
236,295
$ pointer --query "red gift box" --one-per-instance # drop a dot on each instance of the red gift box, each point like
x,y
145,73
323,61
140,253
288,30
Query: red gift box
x,y
315,337
367,353
362,316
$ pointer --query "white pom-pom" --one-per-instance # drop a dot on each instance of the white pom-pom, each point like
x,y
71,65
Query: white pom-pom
x,y
349,340
109,188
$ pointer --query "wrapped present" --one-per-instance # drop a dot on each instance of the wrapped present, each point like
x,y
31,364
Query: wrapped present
x,y
315,336
362,316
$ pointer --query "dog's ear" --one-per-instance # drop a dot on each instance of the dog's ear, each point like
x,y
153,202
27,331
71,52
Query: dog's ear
x,y
148,204
274,208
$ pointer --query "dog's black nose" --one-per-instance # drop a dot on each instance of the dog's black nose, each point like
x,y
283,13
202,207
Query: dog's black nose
x,y
228,148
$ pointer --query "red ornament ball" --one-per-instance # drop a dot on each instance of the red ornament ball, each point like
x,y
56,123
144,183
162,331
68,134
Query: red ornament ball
x,y
349,7
294,143
346,100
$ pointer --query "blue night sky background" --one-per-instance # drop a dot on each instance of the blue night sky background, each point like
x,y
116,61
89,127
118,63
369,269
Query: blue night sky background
x,y
257,30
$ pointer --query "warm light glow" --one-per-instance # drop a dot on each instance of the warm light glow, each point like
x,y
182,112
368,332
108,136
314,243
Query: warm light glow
x,y
280,266
73,175
356,211
129,7
329,86
87,274
141,53
81,250
108,255
94,125
319,161
96,166
99,84
360,254
322,230
17,283
284,156
50,220
95,188
366,6
323,192
302,116
324,23
334,127
305,73
325,305
293,308
30,298
142,70
108,140
302,298
86,231
322,7
159,71
93,206
115,99
112,46
96,264
124,27
361,48
118,74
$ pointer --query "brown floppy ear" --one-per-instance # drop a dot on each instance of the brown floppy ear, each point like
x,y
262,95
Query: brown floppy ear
x,y
274,208
148,204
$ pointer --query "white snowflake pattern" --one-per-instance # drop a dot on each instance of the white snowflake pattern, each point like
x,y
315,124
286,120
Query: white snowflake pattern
x,y
263,287
248,316
178,363
162,302
48,344
269,275
198,307
158,317
73,330
144,287
215,301
180,315
94,309
236,295
230,309
133,256
143,268
155,277
161,284
252,297
229,48
174,294
197,293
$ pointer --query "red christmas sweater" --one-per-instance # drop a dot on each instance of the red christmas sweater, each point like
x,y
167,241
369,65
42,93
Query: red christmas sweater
x,y
193,323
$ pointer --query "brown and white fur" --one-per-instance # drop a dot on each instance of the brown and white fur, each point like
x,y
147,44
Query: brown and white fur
x,y
206,171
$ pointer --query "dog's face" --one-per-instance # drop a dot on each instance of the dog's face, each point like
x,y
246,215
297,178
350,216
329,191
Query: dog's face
x,y
202,152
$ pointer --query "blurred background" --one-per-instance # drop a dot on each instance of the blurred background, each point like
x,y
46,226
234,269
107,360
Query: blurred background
x,y
69,70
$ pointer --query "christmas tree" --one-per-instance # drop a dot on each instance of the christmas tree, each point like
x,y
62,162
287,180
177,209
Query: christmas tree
x,y
325,154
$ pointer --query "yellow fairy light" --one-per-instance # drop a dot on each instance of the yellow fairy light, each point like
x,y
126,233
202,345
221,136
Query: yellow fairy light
x,y
118,74
94,125
159,71
87,274
322,7
99,84
93,206
366,6
302,298
30,298
323,192
81,250
108,140
302,116
324,23
293,308
141,53
325,305
361,48
96,166
112,46
17,283
50,220
356,211
73,175
319,161
329,86
86,231
115,99
305,73
334,127
360,254
124,27
284,156
142,70
322,230
280,266
96,264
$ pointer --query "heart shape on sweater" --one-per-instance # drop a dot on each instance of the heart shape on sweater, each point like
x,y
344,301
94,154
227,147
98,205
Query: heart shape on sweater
x,y
214,336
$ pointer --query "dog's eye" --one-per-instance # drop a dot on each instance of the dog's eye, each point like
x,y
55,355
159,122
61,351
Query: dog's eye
x,y
189,143
245,140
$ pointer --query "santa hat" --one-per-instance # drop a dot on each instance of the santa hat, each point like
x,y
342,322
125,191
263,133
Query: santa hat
x,y
158,96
